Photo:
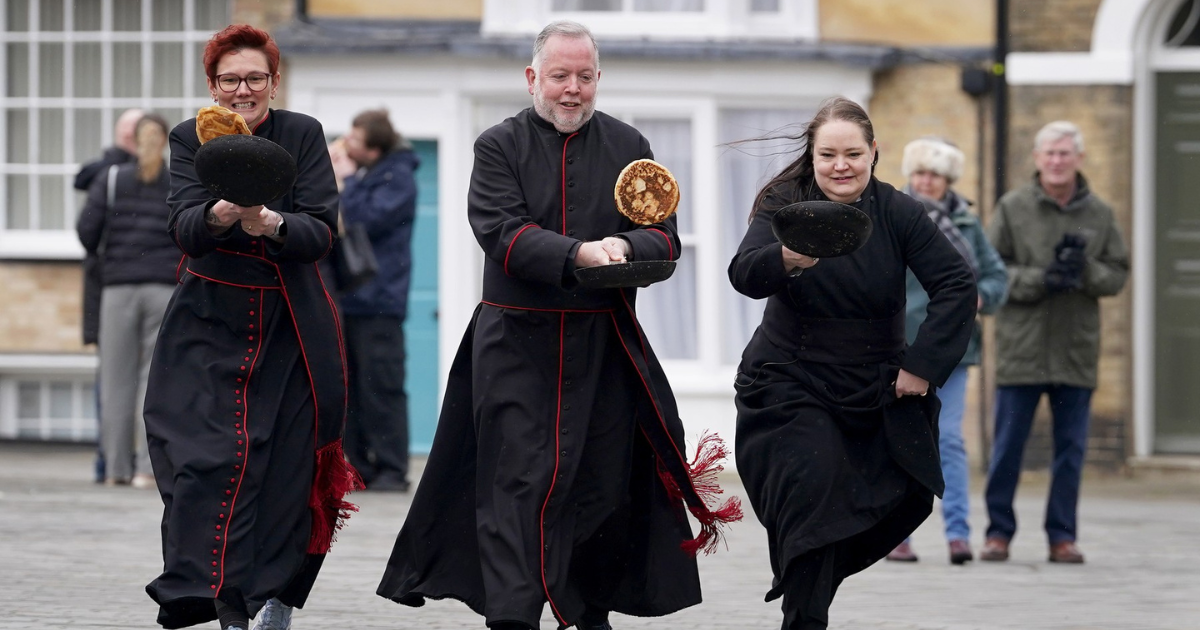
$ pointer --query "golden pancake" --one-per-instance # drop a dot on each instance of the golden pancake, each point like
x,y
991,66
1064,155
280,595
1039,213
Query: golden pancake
x,y
215,121
646,192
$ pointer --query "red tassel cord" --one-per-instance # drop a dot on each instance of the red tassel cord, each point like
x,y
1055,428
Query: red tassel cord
x,y
702,475
333,480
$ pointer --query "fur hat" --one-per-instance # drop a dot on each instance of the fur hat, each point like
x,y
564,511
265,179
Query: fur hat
x,y
934,155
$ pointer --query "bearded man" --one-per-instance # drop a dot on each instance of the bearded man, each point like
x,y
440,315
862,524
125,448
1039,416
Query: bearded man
x,y
556,475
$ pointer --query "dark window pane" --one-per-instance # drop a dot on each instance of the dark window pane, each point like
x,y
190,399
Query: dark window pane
x,y
87,70
51,15
175,116
50,69
87,15
87,135
127,15
586,5
127,70
61,394
18,70
29,399
52,213
18,202
17,150
668,5
51,139
17,14
764,6
197,73
167,79
212,15
87,395
167,15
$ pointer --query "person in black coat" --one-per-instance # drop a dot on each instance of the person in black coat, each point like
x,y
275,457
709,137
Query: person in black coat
x,y
124,224
123,150
247,394
836,430
379,193
557,474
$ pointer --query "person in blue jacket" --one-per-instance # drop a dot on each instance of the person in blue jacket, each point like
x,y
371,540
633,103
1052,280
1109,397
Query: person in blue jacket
x,y
376,167
931,166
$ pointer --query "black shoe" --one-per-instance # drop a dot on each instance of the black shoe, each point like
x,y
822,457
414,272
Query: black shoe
x,y
602,626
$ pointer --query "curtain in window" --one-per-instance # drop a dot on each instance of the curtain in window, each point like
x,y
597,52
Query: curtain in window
x,y
743,170
668,309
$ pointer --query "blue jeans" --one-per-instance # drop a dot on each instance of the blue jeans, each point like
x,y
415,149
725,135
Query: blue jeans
x,y
956,499
1015,406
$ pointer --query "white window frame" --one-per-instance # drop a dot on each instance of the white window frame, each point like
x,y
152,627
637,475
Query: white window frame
x,y
720,19
63,244
77,369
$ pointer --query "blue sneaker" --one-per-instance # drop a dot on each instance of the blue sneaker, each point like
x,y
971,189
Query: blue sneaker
x,y
276,615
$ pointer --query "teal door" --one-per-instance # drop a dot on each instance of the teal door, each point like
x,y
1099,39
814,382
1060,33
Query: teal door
x,y
421,327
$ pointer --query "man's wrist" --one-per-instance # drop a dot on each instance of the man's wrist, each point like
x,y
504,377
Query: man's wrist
x,y
211,218
279,226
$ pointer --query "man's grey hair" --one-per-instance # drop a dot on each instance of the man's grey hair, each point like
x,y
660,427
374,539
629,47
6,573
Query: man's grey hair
x,y
1057,130
566,28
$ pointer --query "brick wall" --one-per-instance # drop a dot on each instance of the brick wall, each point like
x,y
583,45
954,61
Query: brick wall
x,y
1051,25
1105,116
41,308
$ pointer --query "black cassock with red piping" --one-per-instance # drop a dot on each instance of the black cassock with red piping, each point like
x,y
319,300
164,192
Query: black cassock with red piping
x,y
558,473
247,394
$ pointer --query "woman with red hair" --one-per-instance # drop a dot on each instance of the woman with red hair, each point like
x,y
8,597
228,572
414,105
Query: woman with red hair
x,y
247,390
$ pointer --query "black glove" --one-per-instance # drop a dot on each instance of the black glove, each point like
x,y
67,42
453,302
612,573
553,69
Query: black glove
x,y
1070,251
1061,277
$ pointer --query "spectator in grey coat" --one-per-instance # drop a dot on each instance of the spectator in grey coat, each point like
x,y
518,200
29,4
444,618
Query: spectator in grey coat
x,y
1064,252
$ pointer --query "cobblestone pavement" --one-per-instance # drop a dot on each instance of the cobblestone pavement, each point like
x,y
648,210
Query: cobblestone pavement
x,y
75,555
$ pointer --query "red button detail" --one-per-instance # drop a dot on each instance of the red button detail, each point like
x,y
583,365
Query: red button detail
x,y
251,312
243,368
239,379
222,516
239,401
239,432
216,538
218,528
252,325
239,455
232,480
214,563
228,492
238,414
223,504
214,552
213,586
251,299
245,359
239,442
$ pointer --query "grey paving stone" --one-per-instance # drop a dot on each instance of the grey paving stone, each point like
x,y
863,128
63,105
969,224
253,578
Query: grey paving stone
x,y
77,555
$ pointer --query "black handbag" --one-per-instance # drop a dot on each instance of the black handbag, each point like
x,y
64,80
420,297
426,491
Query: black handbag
x,y
354,258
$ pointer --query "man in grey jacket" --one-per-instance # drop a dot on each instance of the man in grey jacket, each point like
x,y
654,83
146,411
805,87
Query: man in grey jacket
x,y
1063,251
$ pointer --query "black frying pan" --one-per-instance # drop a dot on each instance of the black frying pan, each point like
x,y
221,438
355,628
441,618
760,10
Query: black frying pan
x,y
246,170
639,273
821,229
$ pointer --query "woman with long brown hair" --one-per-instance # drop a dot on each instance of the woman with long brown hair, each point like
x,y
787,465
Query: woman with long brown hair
x,y
248,388
124,223
836,435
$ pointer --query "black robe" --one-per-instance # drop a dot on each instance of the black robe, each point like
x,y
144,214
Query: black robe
x,y
824,448
557,472
247,394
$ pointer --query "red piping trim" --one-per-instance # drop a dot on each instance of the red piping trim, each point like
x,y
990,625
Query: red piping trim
x,y
304,355
260,123
514,242
646,386
562,324
232,284
245,451
179,268
337,323
564,182
547,310
670,245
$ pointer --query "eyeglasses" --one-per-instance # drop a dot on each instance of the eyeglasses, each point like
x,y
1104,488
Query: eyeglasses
x,y
231,82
